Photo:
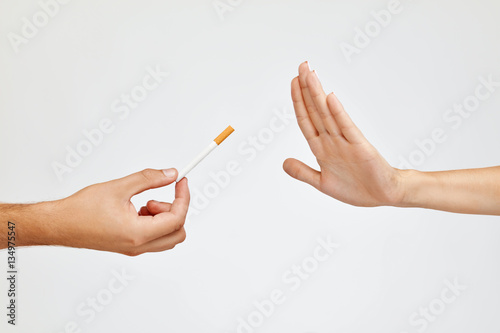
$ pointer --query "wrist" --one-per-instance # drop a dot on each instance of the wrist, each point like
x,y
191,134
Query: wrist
x,y
413,184
48,219
36,224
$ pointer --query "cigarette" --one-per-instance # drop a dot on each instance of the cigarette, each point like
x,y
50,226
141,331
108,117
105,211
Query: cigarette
x,y
214,144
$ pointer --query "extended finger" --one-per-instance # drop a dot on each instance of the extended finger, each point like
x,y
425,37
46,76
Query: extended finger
x,y
302,172
350,131
305,123
319,97
304,72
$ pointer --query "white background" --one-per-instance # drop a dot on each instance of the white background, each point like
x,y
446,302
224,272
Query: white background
x,y
237,70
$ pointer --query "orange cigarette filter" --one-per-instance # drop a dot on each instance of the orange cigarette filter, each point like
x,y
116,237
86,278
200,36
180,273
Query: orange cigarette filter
x,y
223,136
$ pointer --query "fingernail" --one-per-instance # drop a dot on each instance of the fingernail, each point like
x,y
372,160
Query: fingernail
x,y
308,65
316,73
170,173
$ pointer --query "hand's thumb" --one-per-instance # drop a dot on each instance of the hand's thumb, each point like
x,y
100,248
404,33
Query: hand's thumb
x,y
302,172
146,179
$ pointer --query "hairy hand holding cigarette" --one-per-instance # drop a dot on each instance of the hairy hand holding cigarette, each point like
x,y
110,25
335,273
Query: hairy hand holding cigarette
x,y
102,217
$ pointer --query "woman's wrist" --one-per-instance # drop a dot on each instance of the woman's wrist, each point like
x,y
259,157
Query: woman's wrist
x,y
414,186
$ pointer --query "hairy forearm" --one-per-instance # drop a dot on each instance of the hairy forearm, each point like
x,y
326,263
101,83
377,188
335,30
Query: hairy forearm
x,y
34,223
474,191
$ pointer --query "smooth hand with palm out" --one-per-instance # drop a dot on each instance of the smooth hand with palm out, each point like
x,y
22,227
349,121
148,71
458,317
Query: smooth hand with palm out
x,y
352,170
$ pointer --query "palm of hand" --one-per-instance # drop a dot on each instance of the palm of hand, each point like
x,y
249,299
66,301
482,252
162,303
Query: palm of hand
x,y
352,170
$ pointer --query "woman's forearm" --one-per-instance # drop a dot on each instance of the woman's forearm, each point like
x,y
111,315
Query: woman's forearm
x,y
474,191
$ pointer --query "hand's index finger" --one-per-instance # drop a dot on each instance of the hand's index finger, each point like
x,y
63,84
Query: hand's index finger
x,y
304,72
319,97
180,205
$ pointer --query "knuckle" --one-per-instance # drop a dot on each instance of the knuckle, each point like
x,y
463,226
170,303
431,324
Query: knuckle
x,y
135,240
182,235
148,174
325,115
136,253
132,252
314,93
180,224
169,247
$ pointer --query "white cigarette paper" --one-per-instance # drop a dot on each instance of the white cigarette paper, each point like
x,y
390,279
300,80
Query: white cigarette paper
x,y
223,136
